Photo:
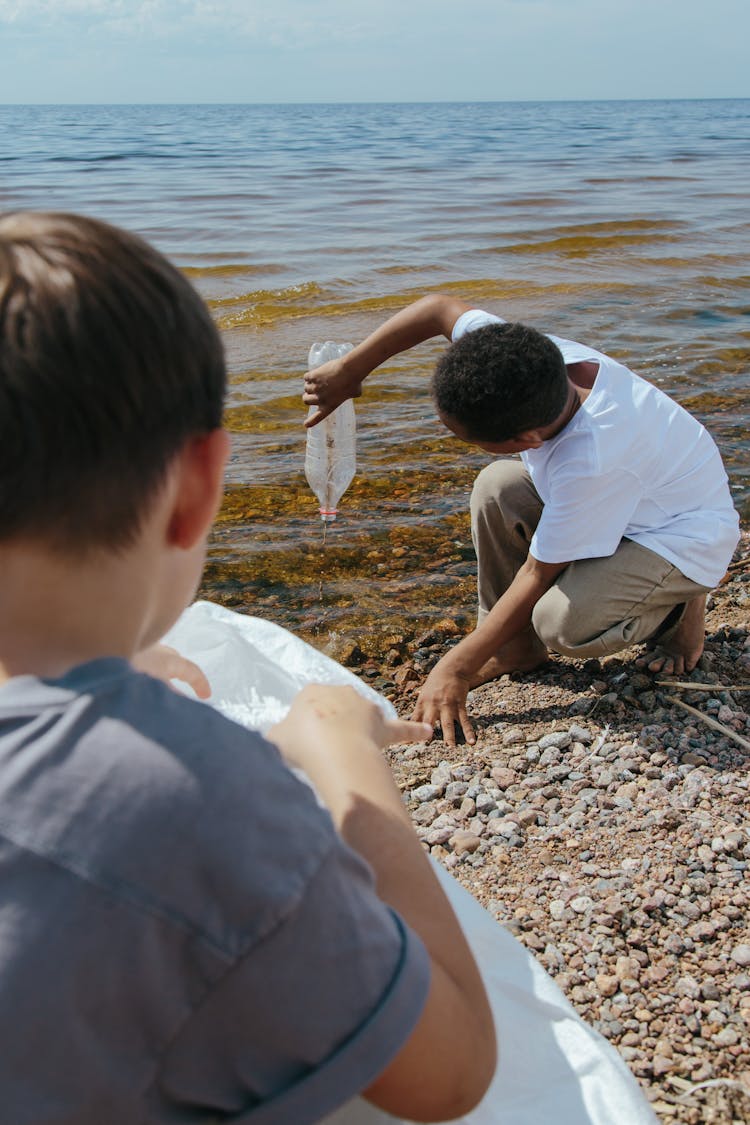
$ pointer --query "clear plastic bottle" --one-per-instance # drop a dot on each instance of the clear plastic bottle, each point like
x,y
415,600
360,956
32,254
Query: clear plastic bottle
x,y
331,455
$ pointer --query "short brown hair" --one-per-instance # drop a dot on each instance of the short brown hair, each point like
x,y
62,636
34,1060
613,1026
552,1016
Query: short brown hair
x,y
109,362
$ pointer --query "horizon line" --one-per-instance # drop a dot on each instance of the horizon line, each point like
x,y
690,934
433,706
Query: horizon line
x,y
441,101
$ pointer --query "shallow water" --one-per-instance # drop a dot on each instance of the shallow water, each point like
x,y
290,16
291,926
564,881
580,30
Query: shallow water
x,y
623,224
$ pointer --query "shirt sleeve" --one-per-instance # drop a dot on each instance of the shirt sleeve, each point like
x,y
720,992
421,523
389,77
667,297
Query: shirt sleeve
x,y
471,320
586,515
312,1014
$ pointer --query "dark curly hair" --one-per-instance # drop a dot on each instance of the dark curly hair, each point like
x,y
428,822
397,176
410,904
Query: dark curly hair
x,y
501,380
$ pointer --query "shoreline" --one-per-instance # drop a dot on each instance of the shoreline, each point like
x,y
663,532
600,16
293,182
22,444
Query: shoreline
x,y
606,825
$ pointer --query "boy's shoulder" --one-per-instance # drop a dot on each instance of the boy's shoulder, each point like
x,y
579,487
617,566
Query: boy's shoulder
x,y
132,787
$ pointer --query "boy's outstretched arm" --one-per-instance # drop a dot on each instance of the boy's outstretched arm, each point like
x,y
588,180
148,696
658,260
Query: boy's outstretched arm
x,y
443,695
332,383
446,1064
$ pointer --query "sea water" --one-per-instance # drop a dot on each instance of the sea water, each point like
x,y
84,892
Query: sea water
x,y
621,224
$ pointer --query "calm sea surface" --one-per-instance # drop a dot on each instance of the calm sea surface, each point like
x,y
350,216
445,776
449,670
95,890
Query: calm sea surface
x,y
622,224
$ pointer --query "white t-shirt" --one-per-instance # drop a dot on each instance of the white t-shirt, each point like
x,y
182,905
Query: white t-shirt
x,y
631,462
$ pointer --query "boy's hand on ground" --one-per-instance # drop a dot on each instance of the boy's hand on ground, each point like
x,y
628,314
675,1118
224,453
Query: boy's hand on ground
x,y
327,387
168,664
442,699
322,714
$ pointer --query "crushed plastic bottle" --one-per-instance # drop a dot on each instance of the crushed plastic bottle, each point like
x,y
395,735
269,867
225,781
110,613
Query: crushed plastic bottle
x,y
331,455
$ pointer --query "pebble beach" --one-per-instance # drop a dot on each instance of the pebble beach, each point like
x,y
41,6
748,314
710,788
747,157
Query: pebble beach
x,y
596,817
602,817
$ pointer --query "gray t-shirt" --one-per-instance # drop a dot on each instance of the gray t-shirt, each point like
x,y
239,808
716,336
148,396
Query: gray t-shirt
x,y
183,935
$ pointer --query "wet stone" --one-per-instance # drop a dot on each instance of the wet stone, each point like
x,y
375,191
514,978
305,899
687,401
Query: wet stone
x,y
455,791
426,792
426,813
557,740
502,776
607,984
438,835
741,954
513,737
441,775
464,842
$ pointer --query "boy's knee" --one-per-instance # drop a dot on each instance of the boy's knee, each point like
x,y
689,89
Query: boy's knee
x,y
499,485
559,624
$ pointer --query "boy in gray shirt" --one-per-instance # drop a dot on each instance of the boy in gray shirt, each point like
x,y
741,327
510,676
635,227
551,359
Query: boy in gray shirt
x,y
185,934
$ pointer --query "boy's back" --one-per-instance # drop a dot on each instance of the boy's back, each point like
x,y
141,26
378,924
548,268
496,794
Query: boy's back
x,y
166,871
630,462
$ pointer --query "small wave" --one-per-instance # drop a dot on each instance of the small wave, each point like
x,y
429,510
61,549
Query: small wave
x,y
742,282
699,260
298,301
231,269
576,246
608,181
533,201
112,157
614,225
388,271
702,315
266,305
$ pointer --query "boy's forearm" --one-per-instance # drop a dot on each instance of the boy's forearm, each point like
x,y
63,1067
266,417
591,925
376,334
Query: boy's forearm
x,y
430,316
446,1063
335,737
510,615
354,781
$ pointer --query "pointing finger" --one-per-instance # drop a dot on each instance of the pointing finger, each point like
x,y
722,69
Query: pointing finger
x,y
402,730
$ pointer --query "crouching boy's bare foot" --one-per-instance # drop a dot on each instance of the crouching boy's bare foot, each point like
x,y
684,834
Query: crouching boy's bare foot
x,y
679,650
522,654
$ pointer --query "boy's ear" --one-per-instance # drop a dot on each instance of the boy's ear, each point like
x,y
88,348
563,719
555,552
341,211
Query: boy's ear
x,y
198,488
530,439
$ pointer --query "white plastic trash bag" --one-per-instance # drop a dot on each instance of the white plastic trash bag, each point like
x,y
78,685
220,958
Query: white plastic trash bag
x,y
553,1067
256,668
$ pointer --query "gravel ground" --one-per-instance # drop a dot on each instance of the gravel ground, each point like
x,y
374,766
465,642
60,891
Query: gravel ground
x,y
607,827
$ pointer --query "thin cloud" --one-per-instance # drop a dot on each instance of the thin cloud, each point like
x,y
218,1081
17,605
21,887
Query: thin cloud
x,y
285,23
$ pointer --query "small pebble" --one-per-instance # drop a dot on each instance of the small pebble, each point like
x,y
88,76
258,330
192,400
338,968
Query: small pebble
x,y
741,954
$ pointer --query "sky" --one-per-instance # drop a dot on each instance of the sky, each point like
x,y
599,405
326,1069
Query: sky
x,y
100,51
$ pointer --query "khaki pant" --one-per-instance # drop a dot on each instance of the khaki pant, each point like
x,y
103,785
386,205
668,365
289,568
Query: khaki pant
x,y
596,606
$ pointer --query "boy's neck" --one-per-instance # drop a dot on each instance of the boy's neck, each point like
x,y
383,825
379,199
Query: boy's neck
x,y
581,377
56,613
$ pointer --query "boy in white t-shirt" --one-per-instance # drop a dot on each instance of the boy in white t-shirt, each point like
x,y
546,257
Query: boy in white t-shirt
x,y
610,530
